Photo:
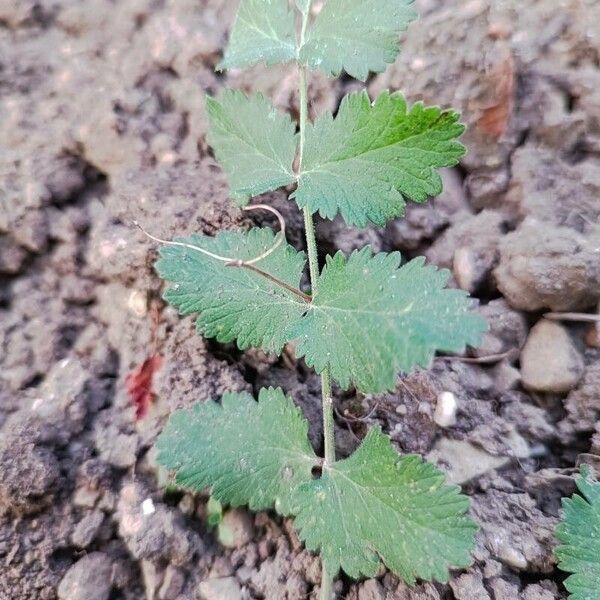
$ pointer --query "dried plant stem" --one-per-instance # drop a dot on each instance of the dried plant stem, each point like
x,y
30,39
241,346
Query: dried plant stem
x,y
244,264
566,316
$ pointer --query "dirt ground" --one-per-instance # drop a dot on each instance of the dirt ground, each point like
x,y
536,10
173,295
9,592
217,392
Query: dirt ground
x,y
102,122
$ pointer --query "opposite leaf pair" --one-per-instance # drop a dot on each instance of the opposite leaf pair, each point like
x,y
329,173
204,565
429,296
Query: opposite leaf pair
x,y
368,319
372,507
346,34
363,163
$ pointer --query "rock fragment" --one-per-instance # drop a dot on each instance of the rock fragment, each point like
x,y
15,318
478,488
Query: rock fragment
x,y
542,266
583,404
87,579
87,529
550,361
463,460
29,475
221,588
507,330
371,590
236,529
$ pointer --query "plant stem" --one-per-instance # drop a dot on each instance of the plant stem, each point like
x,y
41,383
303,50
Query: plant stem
x,y
311,248
328,425
326,585
313,263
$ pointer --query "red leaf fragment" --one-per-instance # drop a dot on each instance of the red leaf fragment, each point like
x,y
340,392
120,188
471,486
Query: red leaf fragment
x,y
495,110
139,385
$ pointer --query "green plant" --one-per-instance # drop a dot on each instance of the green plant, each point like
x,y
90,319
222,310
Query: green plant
x,y
365,319
579,534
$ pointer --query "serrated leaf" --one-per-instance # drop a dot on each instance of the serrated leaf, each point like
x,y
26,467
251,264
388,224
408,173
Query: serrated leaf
x,y
356,35
579,532
369,319
235,303
376,506
264,31
371,158
254,143
247,452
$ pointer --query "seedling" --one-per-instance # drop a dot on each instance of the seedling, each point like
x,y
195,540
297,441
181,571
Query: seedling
x,y
579,533
365,319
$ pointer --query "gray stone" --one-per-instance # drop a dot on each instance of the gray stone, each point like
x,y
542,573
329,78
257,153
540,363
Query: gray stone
x,y
507,330
116,448
469,586
87,579
470,248
550,362
30,474
583,404
156,535
506,377
222,588
371,590
542,266
569,194
236,529
547,590
87,529
463,460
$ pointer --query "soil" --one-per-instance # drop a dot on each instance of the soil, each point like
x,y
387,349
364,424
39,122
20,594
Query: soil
x,y
102,123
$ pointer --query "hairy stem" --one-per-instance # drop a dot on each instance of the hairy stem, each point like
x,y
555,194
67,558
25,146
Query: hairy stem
x,y
313,263
328,426
311,248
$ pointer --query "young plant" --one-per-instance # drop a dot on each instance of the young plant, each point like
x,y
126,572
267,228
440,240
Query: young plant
x,y
365,319
579,533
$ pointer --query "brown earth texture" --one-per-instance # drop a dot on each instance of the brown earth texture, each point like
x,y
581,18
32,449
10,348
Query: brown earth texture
x,y
102,122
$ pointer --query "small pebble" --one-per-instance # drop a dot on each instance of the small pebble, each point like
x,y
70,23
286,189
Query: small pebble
x,y
222,588
148,507
445,410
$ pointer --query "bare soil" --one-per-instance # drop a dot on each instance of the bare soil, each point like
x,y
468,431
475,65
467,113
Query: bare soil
x,y
102,123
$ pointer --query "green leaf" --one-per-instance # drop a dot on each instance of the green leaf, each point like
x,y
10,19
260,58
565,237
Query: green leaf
x,y
371,158
254,143
356,35
247,452
579,533
214,512
235,303
264,30
377,505
369,319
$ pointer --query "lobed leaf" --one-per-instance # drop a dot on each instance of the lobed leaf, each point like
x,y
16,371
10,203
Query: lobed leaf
x,y
264,30
376,506
358,36
579,533
254,143
371,158
369,319
235,303
247,452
